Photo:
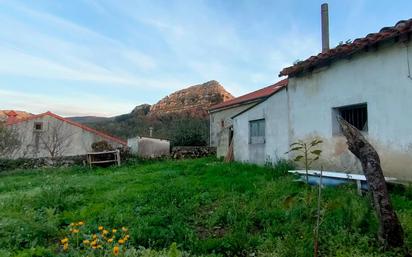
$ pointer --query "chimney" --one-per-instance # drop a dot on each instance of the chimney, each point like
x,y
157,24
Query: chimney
x,y
325,27
11,117
151,131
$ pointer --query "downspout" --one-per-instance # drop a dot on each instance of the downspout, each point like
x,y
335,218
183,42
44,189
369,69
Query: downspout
x,y
289,119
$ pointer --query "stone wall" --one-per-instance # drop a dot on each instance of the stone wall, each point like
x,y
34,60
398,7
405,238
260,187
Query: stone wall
x,y
34,163
183,152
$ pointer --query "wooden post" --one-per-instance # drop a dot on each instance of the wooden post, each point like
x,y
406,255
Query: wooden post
x,y
89,160
359,186
118,157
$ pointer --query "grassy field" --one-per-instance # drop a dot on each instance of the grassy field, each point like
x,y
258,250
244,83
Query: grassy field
x,y
205,206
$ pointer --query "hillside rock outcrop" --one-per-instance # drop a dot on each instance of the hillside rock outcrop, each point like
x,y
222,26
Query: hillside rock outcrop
x,y
195,98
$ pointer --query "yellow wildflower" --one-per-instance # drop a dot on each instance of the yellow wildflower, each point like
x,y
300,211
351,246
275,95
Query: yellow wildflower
x,y
121,241
105,232
64,240
72,224
114,231
116,250
75,231
86,242
124,229
81,223
100,228
110,240
65,247
94,236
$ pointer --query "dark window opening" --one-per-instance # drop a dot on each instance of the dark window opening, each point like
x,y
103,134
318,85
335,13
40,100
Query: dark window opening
x,y
38,126
356,115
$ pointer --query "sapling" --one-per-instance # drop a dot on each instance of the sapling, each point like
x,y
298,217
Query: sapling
x,y
316,246
309,153
306,152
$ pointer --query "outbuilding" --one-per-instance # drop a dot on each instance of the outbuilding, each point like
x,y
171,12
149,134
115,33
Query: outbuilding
x,y
221,127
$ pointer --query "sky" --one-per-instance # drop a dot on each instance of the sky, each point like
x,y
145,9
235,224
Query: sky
x,y
102,58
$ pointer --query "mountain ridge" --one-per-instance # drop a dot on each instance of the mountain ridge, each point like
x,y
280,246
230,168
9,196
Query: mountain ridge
x,y
181,116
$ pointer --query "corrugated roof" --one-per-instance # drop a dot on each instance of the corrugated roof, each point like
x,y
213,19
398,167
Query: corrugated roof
x,y
401,31
99,133
257,95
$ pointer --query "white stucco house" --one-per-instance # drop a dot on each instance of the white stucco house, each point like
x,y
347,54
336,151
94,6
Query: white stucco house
x,y
368,82
220,115
50,135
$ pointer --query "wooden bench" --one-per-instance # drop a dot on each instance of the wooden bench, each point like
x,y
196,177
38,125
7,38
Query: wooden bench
x,y
115,154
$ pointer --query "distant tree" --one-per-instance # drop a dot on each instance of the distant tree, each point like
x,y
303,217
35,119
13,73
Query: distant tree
x,y
10,142
190,132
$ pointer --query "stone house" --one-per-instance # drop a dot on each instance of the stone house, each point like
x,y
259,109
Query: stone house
x,y
221,129
50,135
368,82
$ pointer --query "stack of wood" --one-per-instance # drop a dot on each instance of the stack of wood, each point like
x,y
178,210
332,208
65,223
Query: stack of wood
x,y
183,152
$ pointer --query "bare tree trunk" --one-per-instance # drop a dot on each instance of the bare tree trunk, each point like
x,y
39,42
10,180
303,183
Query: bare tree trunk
x,y
390,231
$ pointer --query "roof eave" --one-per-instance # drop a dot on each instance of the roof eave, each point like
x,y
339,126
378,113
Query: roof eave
x,y
218,109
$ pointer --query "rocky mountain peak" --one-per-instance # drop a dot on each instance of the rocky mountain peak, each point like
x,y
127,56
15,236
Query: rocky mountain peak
x,y
197,97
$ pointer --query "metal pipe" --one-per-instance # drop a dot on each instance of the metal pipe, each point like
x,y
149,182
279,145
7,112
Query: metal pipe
x,y
325,27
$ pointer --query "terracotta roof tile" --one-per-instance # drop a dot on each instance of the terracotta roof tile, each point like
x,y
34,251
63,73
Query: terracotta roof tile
x,y
260,94
402,28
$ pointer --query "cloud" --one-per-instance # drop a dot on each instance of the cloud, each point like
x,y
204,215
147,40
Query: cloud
x,y
158,49
40,53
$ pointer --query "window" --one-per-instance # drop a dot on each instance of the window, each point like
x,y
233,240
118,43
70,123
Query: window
x,y
356,115
38,126
257,131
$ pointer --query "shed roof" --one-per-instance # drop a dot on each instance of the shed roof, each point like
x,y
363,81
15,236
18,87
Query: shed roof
x,y
400,32
255,96
84,127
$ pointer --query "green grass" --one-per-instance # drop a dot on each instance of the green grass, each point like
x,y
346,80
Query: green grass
x,y
207,207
